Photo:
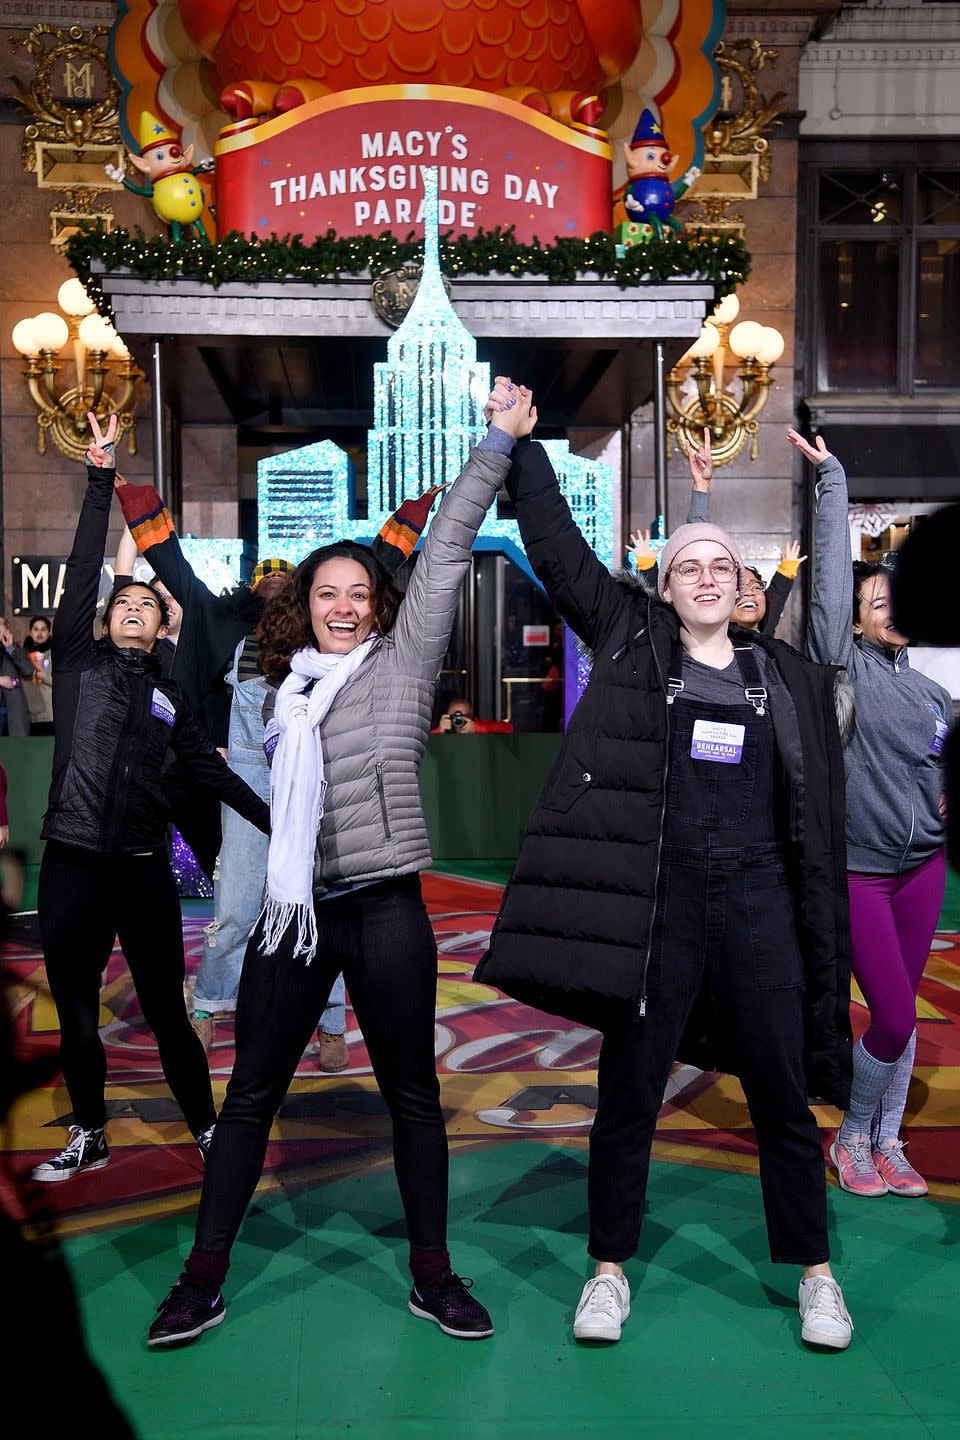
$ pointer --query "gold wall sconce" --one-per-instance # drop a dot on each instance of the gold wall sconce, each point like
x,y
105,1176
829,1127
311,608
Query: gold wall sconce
x,y
699,397
106,375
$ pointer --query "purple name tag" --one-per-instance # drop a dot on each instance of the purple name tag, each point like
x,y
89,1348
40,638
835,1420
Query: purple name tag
x,y
715,741
940,739
163,708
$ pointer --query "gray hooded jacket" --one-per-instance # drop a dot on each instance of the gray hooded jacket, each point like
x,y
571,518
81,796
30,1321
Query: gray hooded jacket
x,y
376,730
894,780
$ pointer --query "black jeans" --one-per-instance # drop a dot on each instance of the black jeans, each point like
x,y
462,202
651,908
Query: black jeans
x,y
382,941
724,923
86,901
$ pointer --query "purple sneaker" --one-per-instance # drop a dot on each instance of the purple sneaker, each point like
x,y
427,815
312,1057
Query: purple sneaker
x,y
451,1306
187,1311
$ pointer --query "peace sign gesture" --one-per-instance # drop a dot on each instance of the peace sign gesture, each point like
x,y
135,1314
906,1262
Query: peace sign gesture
x,y
816,456
701,464
101,449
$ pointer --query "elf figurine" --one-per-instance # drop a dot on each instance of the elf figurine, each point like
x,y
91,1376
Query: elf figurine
x,y
650,195
174,188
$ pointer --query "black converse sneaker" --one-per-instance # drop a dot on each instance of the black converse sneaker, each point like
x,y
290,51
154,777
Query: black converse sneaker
x,y
450,1306
187,1311
203,1141
86,1150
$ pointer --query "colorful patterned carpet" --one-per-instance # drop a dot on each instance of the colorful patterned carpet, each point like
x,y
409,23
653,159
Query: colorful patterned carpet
x,y
711,1348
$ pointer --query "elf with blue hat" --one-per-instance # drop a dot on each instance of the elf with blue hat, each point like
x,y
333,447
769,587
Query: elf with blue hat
x,y
650,194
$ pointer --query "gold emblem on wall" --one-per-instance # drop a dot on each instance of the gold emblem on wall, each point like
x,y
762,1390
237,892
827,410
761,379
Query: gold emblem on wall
x,y
394,292
737,156
75,103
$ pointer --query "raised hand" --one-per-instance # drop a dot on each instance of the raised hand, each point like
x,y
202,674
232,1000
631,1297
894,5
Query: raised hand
x,y
501,397
792,553
101,448
701,464
640,544
518,415
815,456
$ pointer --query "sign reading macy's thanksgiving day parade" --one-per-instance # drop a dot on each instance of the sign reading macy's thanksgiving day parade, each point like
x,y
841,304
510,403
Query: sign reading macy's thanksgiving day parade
x,y
320,115
353,163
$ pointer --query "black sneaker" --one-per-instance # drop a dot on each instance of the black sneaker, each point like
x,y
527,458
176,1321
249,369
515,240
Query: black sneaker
x,y
204,1140
187,1311
86,1150
450,1306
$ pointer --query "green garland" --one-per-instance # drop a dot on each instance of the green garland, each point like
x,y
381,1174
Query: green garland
x,y
720,259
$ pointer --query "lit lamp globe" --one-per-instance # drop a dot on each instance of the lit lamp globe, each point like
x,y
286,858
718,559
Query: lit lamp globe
x,y
727,310
97,334
705,343
74,300
771,347
25,338
119,349
50,331
745,339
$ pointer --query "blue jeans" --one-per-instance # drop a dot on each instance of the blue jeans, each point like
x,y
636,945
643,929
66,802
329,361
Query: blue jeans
x,y
242,868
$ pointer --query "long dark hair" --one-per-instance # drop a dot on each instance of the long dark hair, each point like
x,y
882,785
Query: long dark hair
x,y
862,572
286,626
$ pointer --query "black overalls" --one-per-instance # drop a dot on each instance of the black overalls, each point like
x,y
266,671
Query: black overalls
x,y
723,936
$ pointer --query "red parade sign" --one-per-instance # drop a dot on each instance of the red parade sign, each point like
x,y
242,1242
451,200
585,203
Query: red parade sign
x,y
353,163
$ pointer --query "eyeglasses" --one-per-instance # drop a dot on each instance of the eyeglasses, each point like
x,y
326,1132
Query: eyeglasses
x,y
754,587
688,572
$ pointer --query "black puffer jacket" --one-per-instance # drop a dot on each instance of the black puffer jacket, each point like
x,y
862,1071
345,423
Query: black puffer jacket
x,y
574,927
115,718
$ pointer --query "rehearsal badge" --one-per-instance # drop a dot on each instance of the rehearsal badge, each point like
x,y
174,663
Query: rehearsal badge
x,y
353,163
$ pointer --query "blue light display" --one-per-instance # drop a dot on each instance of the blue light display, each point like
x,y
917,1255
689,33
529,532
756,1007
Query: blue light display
x,y
429,396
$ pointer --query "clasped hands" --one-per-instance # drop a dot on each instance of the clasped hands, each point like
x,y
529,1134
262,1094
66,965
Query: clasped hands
x,y
510,407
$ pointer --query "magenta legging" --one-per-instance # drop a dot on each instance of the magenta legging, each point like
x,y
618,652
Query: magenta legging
x,y
892,922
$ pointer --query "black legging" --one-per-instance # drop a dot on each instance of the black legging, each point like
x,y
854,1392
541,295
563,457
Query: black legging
x,y
86,901
382,941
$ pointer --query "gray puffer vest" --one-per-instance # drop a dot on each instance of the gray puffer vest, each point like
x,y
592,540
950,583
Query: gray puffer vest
x,y
376,730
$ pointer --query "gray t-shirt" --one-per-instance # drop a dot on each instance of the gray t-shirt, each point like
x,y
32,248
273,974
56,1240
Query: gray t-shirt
x,y
718,687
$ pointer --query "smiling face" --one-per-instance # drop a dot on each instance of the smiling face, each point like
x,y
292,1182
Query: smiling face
x,y
752,605
134,621
341,608
876,615
704,600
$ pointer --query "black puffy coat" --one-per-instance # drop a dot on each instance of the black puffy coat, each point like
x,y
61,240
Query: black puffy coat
x,y
115,717
574,927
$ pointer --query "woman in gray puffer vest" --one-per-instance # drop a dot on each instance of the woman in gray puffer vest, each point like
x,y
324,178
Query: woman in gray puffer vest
x,y
357,668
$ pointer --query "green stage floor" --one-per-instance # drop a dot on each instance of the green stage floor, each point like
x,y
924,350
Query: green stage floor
x,y
318,1341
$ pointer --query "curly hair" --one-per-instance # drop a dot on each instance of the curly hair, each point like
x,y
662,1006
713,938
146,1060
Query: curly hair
x,y
286,625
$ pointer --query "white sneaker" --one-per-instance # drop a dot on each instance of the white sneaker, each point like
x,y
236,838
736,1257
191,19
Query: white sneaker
x,y
604,1305
824,1315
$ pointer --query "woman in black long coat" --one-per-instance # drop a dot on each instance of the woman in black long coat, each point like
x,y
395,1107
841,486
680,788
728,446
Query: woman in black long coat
x,y
681,884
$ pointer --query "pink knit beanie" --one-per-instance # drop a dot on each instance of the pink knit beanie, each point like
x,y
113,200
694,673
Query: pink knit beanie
x,y
686,535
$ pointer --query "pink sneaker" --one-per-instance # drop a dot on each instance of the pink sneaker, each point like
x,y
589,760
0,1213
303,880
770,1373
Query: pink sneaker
x,y
855,1168
896,1172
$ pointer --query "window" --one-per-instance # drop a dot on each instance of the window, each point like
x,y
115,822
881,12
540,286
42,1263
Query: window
x,y
884,265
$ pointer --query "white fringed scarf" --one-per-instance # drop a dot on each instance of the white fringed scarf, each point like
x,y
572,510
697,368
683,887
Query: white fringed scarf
x,y
297,788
